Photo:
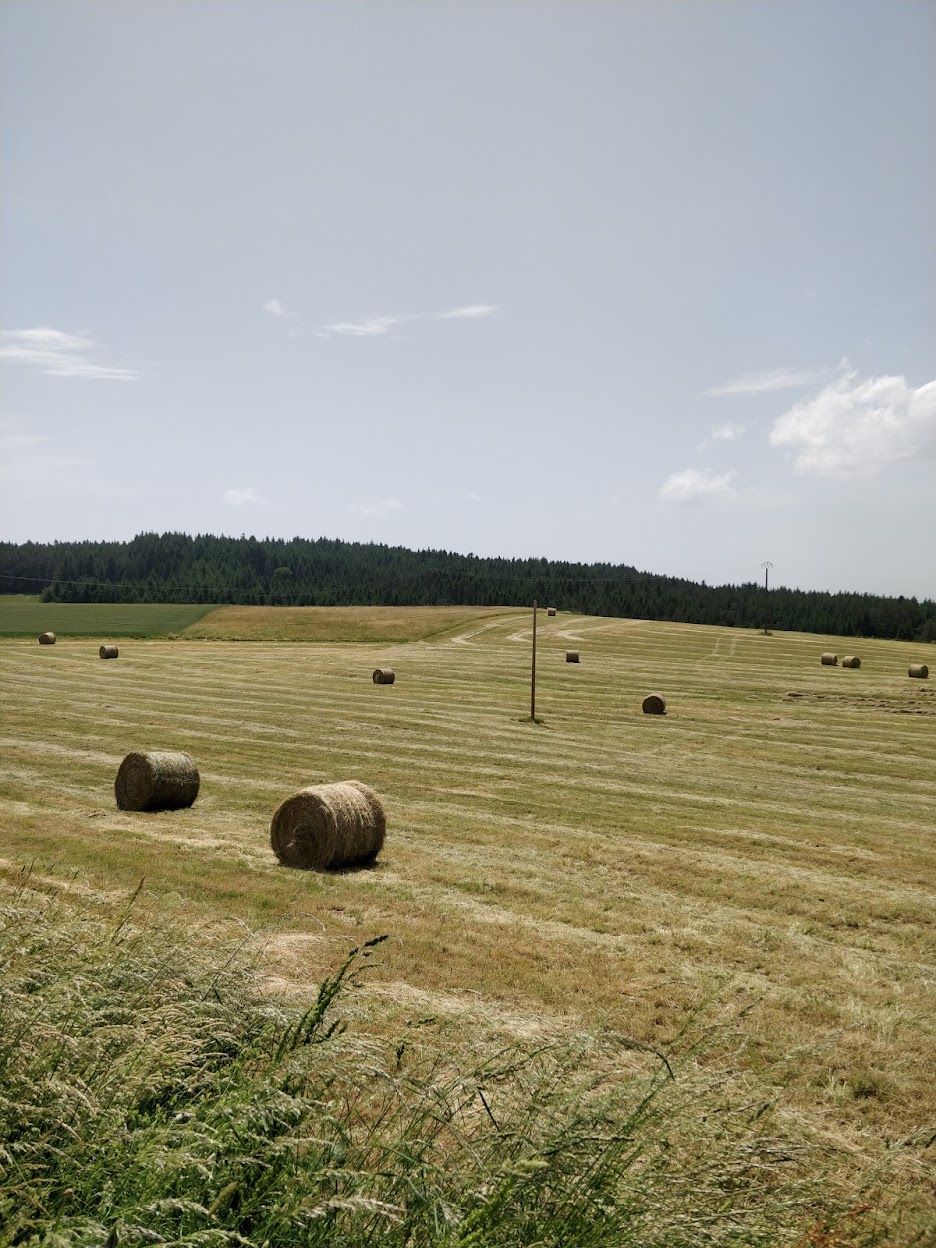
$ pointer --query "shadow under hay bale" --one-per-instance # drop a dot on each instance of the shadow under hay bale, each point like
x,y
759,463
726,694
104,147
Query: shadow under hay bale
x,y
158,780
919,671
108,652
384,675
828,659
572,656
550,611
328,826
47,639
851,660
654,704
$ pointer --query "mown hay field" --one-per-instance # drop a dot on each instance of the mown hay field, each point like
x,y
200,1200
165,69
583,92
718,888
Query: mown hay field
x,y
756,866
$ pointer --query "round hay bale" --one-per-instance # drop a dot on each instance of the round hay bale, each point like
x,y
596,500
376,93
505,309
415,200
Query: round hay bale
x,y
108,652
654,704
328,826
572,656
47,639
851,660
384,675
828,659
550,611
158,780
919,671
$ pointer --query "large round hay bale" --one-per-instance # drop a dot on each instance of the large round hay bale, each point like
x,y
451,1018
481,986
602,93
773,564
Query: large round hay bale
x,y
384,675
47,639
108,652
158,780
918,670
828,659
654,704
550,611
572,656
851,660
329,825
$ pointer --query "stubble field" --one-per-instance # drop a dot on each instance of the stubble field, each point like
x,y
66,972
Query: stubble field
x,y
755,868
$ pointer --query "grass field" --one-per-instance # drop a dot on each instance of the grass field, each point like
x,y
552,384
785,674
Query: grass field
x,y
368,624
23,615
755,868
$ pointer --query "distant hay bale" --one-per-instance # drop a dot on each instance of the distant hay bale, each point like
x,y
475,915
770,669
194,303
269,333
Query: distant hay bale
x,y
550,611
108,652
654,704
328,826
919,671
158,780
851,660
828,659
572,656
47,639
384,675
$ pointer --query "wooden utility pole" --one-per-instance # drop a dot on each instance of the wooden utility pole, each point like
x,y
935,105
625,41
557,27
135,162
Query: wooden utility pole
x,y
533,670
766,565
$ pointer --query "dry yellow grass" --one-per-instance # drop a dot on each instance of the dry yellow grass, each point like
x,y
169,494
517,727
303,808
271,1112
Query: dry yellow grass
x,y
394,624
761,857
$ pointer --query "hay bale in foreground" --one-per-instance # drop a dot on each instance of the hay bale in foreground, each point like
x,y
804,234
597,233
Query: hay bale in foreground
x,y
158,780
108,652
851,660
572,656
654,704
47,639
828,659
328,826
384,675
550,611
919,671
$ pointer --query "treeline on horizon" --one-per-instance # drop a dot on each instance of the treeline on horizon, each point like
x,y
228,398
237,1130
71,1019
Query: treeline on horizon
x,y
176,567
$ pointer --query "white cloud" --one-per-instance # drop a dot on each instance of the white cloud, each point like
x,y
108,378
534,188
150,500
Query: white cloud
x,y
472,312
377,507
694,484
275,308
763,383
727,432
361,329
854,428
237,498
59,355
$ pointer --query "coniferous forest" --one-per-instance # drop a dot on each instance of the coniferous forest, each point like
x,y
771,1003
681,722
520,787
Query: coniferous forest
x,y
176,567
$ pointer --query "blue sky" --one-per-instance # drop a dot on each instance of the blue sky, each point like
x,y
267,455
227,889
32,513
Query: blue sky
x,y
646,282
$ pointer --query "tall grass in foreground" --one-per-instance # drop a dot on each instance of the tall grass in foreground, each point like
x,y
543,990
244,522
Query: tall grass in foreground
x,y
150,1095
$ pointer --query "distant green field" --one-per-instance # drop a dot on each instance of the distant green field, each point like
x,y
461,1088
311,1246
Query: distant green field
x,y
22,615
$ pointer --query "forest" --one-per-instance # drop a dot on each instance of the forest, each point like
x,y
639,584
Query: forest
x,y
181,568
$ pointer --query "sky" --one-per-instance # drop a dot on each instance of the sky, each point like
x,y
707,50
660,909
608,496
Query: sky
x,y
644,281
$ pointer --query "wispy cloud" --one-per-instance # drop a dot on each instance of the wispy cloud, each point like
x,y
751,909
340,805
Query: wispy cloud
x,y
855,427
27,460
237,498
693,485
362,329
728,432
275,308
60,355
470,312
377,507
763,383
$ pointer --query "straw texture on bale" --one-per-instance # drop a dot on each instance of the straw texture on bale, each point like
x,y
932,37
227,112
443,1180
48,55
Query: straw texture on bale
x,y
108,652
851,660
919,670
47,639
550,610
654,704
828,659
384,675
329,825
572,656
158,780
